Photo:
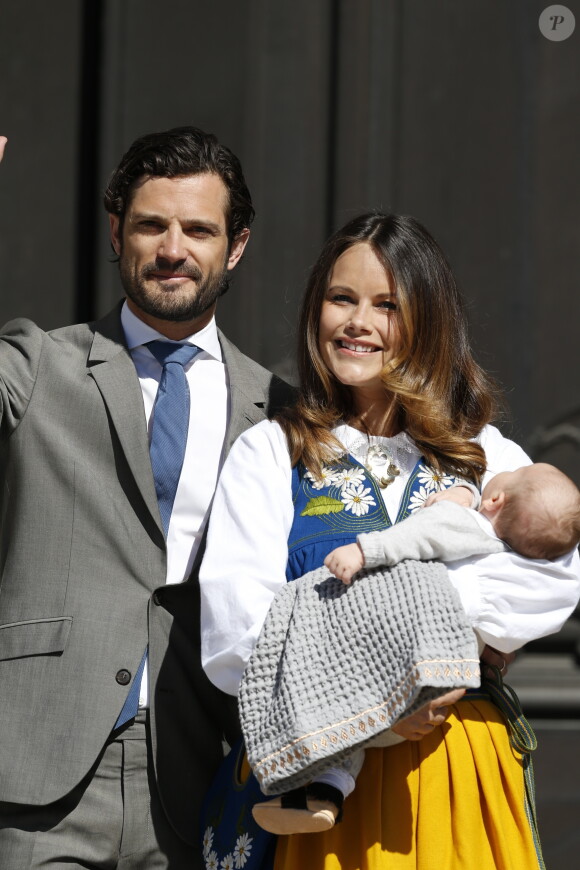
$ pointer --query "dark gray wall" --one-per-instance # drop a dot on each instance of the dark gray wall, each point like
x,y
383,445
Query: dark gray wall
x,y
462,114
40,72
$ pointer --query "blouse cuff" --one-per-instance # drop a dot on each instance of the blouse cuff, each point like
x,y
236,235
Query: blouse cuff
x,y
372,548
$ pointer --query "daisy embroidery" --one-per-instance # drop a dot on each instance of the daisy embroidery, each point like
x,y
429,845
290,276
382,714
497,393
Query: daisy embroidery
x,y
356,498
327,479
349,476
432,480
227,862
418,499
211,861
242,850
207,841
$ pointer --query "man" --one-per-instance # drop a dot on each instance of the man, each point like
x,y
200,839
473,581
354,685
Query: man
x,y
109,730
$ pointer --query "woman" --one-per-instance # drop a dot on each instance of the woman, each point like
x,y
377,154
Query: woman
x,y
392,407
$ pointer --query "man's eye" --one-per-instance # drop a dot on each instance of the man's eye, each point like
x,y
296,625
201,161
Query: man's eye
x,y
199,231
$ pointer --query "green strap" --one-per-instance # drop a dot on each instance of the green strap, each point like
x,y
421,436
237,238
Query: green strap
x,y
522,739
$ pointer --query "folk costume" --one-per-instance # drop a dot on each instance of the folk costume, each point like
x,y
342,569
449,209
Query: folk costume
x,y
455,799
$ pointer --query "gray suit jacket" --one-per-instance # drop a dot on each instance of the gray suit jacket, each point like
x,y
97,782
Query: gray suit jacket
x,y
82,568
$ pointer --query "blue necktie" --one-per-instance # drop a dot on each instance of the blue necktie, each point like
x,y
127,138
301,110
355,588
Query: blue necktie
x,y
170,422
167,451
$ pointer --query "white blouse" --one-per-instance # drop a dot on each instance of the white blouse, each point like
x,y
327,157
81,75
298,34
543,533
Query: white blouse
x,y
509,599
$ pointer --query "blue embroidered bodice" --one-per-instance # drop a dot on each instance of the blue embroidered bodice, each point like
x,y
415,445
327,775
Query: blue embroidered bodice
x,y
346,502
328,513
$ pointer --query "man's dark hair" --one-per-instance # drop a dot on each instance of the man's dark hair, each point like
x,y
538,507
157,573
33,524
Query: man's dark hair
x,y
178,152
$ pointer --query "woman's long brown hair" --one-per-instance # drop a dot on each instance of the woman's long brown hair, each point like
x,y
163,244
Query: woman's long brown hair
x,y
441,397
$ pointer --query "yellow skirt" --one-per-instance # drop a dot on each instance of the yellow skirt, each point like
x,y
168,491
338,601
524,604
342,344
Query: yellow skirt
x,y
454,800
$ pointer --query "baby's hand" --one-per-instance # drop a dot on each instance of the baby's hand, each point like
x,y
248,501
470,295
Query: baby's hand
x,y
461,495
345,561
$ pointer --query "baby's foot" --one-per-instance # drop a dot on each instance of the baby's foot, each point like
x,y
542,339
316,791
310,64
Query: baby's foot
x,y
315,807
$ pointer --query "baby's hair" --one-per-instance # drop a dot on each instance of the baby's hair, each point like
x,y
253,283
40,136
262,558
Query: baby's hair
x,y
541,515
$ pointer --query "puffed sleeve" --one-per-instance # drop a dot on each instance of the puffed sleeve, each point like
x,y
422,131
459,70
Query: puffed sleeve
x,y
247,549
509,599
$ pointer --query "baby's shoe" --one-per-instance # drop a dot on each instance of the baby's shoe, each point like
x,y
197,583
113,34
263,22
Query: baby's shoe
x,y
315,807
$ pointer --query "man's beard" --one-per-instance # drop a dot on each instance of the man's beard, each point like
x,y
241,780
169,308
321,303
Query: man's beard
x,y
174,305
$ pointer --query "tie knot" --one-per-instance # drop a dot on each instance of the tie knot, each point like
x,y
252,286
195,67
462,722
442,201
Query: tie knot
x,y
166,352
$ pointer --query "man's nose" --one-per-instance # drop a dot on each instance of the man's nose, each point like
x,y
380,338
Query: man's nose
x,y
172,245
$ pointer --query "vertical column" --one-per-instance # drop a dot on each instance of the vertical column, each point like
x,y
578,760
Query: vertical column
x,y
39,95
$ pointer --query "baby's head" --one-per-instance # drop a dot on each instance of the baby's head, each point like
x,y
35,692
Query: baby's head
x,y
536,510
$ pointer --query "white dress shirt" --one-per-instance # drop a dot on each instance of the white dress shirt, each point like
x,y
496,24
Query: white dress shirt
x,y
208,418
509,599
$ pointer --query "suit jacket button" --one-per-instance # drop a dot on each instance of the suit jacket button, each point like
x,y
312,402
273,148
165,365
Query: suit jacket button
x,y
123,677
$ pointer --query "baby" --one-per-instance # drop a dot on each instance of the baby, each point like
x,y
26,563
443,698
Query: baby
x,y
534,511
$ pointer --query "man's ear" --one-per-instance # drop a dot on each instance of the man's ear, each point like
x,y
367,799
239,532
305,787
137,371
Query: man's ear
x,y
114,224
494,504
237,248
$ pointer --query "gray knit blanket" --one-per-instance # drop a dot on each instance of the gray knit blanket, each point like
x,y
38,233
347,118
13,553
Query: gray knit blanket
x,y
336,666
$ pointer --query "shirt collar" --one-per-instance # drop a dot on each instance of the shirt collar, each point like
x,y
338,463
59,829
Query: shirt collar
x,y
138,333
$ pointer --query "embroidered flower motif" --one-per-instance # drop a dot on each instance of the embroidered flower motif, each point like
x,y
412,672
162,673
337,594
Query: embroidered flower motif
x,y
228,862
207,841
327,479
349,477
242,850
418,499
356,498
432,480
211,861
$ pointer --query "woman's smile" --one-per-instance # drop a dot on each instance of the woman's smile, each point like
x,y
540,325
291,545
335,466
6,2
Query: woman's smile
x,y
356,347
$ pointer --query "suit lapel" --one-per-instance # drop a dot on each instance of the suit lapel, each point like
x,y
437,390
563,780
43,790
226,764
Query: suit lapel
x,y
248,400
112,368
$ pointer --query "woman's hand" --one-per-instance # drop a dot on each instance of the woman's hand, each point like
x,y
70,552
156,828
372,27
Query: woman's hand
x,y
3,141
497,659
429,716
